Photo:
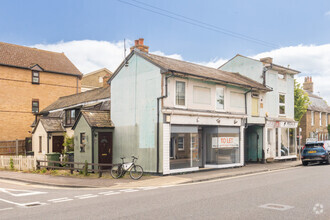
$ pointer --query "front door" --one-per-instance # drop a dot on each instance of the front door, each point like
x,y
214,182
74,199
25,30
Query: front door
x,y
105,147
58,144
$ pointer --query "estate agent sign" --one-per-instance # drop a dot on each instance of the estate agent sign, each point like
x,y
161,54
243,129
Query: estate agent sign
x,y
225,142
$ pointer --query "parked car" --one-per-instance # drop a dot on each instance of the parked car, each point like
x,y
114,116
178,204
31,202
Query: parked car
x,y
318,151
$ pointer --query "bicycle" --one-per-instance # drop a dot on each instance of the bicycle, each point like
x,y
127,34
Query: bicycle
x,y
119,170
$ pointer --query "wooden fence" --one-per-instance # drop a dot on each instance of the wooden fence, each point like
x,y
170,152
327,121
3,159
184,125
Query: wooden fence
x,y
79,166
15,147
19,162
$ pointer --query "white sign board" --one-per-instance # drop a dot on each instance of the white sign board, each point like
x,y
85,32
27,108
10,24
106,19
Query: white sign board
x,y
308,140
225,142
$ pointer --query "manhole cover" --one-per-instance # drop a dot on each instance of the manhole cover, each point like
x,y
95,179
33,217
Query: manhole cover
x,y
278,207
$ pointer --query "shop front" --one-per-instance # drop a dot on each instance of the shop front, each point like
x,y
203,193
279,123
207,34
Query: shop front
x,y
195,146
280,139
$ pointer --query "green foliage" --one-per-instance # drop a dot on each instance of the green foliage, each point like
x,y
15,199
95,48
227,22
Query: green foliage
x,y
11,164
44,170
301,101
68,143
85,170
53,172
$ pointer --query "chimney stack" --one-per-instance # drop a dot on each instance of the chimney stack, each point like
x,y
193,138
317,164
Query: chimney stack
x,y
139,45
266,60
308,84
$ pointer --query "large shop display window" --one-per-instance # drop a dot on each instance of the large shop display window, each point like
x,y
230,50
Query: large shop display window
x,y
184,147
222,145
288,143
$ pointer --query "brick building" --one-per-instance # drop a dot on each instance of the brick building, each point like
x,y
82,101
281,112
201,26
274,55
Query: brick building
x,y
31,79
95,79
315,121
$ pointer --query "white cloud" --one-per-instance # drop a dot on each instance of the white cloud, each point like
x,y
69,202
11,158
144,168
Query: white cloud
x,y
310,60
327,13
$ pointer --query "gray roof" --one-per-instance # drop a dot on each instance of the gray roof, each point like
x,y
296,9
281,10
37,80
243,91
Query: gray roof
x,y
97,119
51,125
192,69
80,98
317,103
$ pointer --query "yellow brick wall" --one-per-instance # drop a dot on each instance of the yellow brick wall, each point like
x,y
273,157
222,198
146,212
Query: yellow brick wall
x,y
93,79
17,92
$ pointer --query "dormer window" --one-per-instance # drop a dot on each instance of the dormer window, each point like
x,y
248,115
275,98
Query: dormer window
x,y
70,116
35,77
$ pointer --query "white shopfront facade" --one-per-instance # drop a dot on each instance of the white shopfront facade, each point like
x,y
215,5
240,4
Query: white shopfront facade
x,y
195,141
280,139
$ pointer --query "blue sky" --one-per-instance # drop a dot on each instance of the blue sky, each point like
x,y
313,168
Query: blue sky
x,y
299,28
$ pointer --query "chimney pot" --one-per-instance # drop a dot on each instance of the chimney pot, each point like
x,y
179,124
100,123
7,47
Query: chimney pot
x,y
266,60
308,85
141,41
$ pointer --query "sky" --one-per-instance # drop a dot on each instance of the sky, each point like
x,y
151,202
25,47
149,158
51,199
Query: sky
x,y
209,32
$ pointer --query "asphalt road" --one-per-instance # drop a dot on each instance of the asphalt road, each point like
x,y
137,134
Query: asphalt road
x,y
296,193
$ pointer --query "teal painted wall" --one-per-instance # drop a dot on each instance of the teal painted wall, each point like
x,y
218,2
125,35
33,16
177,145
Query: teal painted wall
x,y
254,144
134,92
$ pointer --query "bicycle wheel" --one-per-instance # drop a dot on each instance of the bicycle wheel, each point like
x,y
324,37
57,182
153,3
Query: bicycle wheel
x,y
116,171
136,172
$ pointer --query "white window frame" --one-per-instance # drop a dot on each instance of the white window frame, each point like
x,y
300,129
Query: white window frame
x,y
281,104
224,98
320,118
181,149
312,118
185,94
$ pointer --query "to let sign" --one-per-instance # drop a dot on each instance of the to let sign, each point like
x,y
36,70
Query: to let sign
x,y
225,142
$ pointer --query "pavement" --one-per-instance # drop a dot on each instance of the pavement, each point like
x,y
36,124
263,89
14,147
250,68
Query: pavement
x,y
145,181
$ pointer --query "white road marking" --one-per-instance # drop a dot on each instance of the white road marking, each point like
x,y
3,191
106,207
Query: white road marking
x,y
114,193
278,207
87,197
6,209
64,199
84,195
128,190
16,192
22,204
149,187
101,193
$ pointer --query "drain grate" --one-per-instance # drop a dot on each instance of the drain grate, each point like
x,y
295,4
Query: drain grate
x,y
32,204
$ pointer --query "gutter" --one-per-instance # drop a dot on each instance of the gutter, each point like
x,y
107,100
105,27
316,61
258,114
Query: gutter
x,y
158,99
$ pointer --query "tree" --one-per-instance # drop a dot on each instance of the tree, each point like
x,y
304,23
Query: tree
x,y
301,101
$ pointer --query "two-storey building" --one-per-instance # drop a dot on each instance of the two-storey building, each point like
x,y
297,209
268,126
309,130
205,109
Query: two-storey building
x,y
314,123
271,128
30,80
178,116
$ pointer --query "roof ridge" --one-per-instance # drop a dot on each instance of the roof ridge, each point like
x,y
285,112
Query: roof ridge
x,y
33,48
81,93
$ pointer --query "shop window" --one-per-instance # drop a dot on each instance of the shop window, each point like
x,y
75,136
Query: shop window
x,y
222,145
312,118
184,147
220,99
82,142
35,106
284,142
35,77
282,104
292,141
180,97
202,95
40,144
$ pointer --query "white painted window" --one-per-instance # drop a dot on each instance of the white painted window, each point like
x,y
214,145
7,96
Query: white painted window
x,y
312,118
220,99
180,94
180,143
320,118
282,104
237,100
100,79
202,95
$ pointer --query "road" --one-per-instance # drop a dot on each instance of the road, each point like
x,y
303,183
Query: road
x,y
296,193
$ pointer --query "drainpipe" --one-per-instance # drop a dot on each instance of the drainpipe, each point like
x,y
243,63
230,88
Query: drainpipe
x,y
158,99
264,70
48,137
92,147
